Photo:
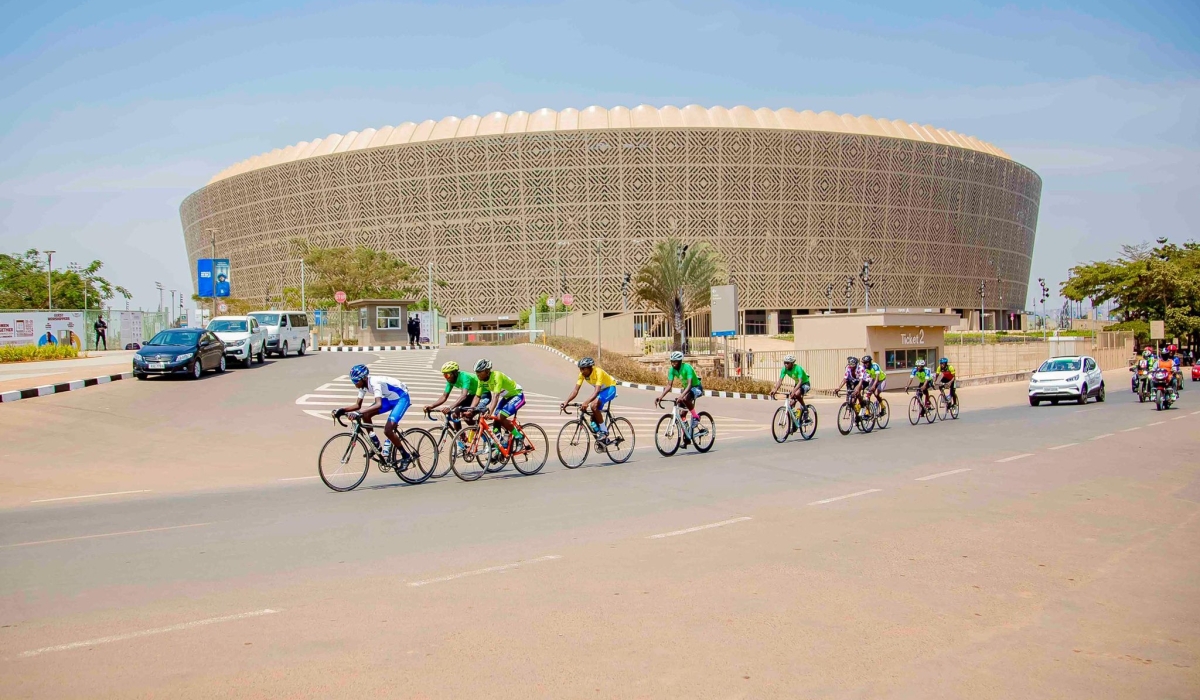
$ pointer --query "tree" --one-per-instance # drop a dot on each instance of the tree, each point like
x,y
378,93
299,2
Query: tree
x,y
362,273
677,280
23,284
543,307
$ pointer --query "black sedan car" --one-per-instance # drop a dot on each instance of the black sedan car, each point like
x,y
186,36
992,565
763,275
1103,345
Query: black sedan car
x,y
188,351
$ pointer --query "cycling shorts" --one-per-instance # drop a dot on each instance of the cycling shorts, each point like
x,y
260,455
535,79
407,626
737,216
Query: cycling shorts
x,y
511,405
395,408
605,397
803,389
696,392
881,386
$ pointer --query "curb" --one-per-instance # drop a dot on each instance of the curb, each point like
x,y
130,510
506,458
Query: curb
x,y
366,348
18,394
651,387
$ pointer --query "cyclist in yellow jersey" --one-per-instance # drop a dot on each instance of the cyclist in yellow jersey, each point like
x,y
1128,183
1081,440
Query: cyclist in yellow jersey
x,y
606,391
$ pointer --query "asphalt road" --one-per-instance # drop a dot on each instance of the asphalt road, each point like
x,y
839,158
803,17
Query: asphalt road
x,y
1045,552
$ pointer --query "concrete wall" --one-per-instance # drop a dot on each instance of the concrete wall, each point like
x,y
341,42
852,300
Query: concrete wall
x,y
617,329
1006,358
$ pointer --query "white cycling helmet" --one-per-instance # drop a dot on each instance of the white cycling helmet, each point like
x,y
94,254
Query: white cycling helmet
x,y
483,365
789,360
677,356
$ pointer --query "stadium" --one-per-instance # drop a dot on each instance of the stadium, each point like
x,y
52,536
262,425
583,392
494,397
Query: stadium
x,y
510,206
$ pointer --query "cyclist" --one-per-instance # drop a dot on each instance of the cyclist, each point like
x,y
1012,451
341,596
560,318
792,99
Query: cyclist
x,y
606,391
801,383
945,376
391,398
924,378
876,381
852,379
468,382
508,396
692,390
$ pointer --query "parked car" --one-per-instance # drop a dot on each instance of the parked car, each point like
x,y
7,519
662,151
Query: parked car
x,y
287,331
245,340
188,351
1196,373
1072,378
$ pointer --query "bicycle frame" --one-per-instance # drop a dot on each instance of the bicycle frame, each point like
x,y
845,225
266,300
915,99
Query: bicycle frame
x,y
484,430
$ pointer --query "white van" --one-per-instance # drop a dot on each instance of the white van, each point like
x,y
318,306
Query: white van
x,y
287,331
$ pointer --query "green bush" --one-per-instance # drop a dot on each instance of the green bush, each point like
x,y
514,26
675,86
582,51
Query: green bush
x,y
33,353
630,370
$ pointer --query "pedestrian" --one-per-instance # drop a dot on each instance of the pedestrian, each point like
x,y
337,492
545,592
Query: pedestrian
x,y
417,330
101,328
737,362
750,358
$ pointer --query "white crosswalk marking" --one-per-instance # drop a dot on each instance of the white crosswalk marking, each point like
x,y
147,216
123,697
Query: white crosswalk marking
x,y
418,369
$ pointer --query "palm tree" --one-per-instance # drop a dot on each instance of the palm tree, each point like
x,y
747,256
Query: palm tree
x,y
677,281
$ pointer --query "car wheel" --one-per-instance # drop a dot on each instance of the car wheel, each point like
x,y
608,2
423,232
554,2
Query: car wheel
x,y
304,347
197,368
1053,402
1034,402
1083,394
139,375
1100,394
221,365
262,353
249,361
284,351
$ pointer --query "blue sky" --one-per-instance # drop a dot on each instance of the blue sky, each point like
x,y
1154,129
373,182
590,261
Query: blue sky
x,y
112,112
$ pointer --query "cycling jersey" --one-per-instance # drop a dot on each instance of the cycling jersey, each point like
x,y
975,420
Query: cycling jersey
x,y
876,372
498,382
383,388
465,380
854,374
599,378
922,374
947,372
797,374
684,374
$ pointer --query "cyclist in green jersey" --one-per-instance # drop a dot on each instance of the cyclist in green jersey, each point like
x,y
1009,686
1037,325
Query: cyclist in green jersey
x,y
468,382
692,389
507,396
801,384
876,380
924,377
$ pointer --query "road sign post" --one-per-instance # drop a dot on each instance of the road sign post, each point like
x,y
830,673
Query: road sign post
x,y
723,301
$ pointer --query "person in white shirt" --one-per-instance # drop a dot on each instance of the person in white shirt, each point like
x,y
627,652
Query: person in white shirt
x,y
391,398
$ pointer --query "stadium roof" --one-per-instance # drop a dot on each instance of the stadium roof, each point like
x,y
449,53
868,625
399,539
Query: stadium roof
x,y
598,118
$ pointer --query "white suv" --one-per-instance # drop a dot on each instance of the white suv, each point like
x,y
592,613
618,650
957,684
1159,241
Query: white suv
x,y
245,340
287,331
1075,378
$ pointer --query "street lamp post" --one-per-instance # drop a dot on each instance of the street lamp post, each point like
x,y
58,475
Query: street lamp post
x,y
159,286
599,309
1045,294
49,287
849,286
866,283
213,239
174,316
829,298
982,292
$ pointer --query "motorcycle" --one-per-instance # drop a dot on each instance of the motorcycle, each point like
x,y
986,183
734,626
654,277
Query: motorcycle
x,y
1164,394
1143,390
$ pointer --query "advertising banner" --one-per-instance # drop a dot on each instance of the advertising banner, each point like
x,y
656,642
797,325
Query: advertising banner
x,y
724,304
212,277
131,327
41,328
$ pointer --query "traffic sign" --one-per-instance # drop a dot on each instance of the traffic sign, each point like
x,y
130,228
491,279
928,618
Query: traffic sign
x,y
568,299
550,303
339,297
319,317
222,307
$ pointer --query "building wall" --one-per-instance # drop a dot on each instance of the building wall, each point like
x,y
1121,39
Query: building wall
x,y
505,218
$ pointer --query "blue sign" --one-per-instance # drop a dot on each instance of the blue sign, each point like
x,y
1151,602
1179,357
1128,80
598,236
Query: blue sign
x,y
723,334
212,277
319,317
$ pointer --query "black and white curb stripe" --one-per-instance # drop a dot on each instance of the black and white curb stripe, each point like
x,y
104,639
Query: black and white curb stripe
x,y
651,387
17,395
366,348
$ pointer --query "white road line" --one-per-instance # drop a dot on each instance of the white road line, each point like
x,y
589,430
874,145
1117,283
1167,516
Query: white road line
x,y
1158,423
1061,447
146,633
300,478
1101,437
1194,413
849,495
90,495
941,474
488,570
698,528
1130,430
1179,417
106,534
1014,458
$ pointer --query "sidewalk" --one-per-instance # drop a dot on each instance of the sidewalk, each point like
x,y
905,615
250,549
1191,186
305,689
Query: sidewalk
x,y
15,376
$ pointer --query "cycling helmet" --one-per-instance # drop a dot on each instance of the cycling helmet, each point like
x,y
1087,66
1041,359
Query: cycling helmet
x,y
677,356
868,360
920,363
944,361
358,373
789,360
852,360
449,367
483,365
586,362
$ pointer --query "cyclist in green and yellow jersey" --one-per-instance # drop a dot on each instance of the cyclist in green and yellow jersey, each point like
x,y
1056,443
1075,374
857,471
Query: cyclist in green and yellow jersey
x,y
876,380
507,396
606,391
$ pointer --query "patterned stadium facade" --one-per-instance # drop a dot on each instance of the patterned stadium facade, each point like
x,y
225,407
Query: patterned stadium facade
x,y
508,207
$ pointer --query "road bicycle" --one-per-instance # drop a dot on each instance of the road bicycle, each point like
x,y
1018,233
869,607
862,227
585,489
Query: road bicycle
x,y
446,431
789,420
882,410
947,409
918,409
346,457
576,436
853,413
676,427
482,451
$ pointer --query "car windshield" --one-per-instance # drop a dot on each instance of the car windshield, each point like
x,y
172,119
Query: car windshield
x,y
1059,365
228,326
174,338
267,319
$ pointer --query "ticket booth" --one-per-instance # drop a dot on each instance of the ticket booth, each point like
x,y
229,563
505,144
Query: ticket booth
x,y
896,339
382,321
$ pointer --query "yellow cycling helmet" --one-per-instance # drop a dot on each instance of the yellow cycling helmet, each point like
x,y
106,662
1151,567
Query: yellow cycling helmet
x,y
449,367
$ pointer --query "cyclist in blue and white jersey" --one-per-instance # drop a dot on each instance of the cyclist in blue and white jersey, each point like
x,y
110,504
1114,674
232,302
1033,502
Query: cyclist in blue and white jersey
x,y
391,398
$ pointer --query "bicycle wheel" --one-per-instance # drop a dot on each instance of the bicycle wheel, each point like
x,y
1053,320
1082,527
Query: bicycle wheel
x,y
424,453
705,442
914,410
573,443
808,422
781,424
532,458
465,458
343,462
845,419
883,413
620,440
931,413
446,437
866,419
954,408
666,436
